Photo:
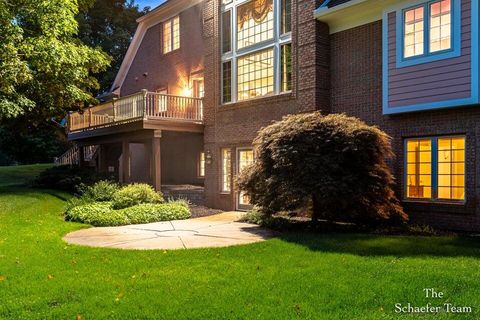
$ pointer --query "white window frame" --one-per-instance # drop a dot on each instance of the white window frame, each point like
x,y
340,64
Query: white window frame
x,y
172,34
276,42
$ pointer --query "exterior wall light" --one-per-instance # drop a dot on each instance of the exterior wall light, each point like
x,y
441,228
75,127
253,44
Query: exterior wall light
x,y
208,157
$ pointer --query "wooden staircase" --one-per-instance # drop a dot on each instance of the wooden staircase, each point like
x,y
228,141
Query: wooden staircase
x,y
71,157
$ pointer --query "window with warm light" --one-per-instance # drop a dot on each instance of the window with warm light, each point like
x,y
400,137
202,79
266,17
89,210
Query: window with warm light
x,y
427,28
201,164
171,35
435,168
226,170
245,157
451,168
414,32
256,59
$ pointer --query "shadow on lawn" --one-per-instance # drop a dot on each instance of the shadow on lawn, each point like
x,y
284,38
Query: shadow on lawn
x,y
384,245
26,190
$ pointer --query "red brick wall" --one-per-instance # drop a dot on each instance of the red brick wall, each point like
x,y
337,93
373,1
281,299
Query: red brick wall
x,y
356,89
171,70
236,125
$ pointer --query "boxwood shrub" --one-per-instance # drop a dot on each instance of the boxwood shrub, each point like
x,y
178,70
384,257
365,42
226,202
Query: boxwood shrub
x,y
134,194
102,214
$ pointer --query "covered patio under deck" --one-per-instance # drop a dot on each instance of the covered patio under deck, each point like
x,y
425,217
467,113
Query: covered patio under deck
x,y
145,137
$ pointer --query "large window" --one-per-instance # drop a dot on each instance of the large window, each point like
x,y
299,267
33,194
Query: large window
x,y
257,62
201,164
171,35
427,28
245,157
255,74
226,170
436,168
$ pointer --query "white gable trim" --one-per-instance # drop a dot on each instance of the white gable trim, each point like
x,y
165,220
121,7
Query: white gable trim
x,y
161,13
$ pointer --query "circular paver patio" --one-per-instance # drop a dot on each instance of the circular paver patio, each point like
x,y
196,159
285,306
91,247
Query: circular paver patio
x,y
219,230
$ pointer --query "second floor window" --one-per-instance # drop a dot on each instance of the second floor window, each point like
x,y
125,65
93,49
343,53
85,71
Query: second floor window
x,y
171,35
427,28
256,47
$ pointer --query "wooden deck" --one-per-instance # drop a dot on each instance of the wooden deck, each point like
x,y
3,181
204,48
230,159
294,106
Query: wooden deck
x,y
143,110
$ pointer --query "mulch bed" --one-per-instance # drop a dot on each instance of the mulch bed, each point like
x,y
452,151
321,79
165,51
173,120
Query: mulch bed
x,y
202,211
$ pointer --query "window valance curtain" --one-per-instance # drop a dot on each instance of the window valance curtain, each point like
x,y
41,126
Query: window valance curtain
x,y
256,10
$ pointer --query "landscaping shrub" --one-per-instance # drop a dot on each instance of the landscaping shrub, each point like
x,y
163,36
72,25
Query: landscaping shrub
x,y
148,212
98,214
103,190
335,164
102,214
69,178
134,194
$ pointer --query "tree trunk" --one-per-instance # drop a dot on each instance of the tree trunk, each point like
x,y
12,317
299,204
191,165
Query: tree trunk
x,y
317,210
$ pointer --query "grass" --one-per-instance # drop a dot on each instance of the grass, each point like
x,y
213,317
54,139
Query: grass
x,y
18,175
295,276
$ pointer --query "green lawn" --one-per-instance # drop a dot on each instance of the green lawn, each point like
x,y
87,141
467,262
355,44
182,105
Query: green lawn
x,y
294,276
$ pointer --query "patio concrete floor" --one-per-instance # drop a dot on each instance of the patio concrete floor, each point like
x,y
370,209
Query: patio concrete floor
x,y
220,230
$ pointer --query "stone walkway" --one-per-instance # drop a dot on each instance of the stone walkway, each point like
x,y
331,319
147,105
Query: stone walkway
x,y
219,230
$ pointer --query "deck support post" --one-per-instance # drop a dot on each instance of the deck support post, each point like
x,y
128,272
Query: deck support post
x,y
125,161
155,160
81,156
102,159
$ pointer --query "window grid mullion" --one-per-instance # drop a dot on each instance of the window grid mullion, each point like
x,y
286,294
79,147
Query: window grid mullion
x,y
435,168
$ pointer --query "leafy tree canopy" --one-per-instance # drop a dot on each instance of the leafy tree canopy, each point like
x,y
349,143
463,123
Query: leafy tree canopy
x,y
109,24
336,164
44,68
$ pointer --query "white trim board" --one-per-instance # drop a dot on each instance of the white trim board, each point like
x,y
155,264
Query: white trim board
x,y
352,14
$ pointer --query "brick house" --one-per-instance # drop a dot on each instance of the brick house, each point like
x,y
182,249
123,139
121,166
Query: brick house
x,y
202,77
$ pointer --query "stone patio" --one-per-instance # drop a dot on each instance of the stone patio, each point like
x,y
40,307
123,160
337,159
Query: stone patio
x,y
219,230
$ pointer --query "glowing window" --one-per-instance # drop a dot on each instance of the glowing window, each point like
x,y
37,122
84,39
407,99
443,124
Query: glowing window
x,y
441,158
419,169
440,26
254,22
413,32
245,158
226,170
451,168
255,75
201,165
171,35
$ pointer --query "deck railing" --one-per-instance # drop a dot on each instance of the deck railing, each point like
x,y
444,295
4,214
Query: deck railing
x,y
143,105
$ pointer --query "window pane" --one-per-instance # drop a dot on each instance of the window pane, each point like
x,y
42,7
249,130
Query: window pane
x,y
201,166
286,64
419,168
227,32
254,22
440,26
176,33
227,82
413,32
286,16
255,75
451,168
245,158
167,37
226,170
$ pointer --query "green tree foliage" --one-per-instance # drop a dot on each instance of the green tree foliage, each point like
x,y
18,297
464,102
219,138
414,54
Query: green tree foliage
x,y
44,67
335,163
109,24
27,142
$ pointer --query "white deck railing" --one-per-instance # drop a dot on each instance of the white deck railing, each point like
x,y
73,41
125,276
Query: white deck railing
x,y
144,105
71,157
